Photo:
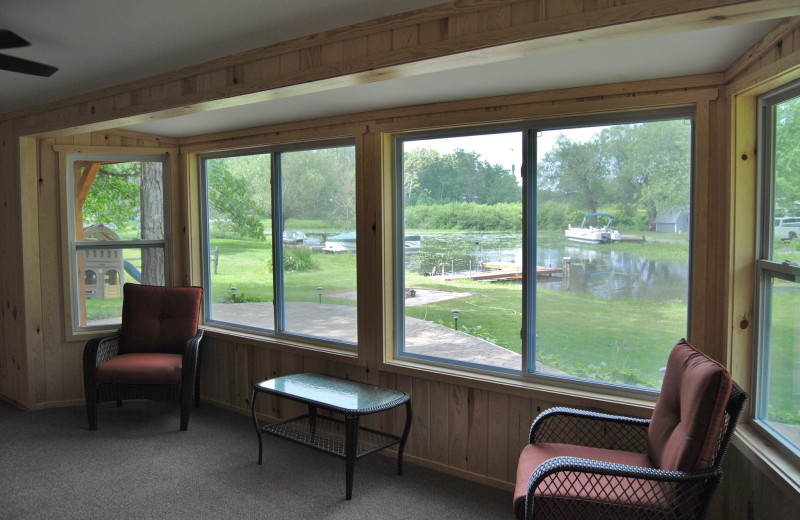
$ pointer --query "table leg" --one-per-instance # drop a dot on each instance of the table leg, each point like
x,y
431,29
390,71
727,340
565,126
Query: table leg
x,y
312,420
255,422
351,450
403,439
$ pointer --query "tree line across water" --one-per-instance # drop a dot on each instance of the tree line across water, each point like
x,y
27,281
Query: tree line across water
x,y
634,171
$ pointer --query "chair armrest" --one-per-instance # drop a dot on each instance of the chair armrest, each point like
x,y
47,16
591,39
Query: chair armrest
x,y
592,429
99,350
664,493
190,354
96,352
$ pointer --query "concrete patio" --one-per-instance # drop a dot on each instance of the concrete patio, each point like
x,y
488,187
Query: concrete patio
x,y
338,322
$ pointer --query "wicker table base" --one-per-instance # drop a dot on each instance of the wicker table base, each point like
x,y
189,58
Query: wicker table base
x,y
345,439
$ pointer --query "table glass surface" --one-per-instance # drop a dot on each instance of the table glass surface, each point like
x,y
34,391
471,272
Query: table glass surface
x,y
332,391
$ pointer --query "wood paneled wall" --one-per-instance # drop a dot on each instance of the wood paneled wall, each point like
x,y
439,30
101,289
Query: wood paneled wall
x,y
468,426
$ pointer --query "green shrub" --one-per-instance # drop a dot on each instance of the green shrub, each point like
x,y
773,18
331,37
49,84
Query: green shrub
x,y
294,259
241,298
778,415
466,216
601,372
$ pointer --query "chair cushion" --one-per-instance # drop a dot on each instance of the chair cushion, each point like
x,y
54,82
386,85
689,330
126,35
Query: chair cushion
x,y
152,369
604,489
159,319
690,410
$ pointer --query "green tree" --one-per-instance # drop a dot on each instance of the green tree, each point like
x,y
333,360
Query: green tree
x,y
576,173
319,183
114,197
429,177
231,197
787,157
650,164
416,165
255,171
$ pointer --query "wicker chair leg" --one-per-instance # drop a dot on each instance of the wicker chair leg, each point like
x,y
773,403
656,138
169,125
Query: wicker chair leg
x,y
185,401
91,412
197,384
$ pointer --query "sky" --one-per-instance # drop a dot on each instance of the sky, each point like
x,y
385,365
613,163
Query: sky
x,y
506,148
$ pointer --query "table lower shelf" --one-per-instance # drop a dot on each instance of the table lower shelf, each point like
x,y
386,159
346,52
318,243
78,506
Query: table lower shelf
x,y
329,435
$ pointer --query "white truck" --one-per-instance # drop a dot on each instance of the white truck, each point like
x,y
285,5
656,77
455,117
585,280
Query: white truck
x,y
787,228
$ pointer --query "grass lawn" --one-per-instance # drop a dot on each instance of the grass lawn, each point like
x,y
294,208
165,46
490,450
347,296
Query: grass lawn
x,y
784,364
574,332
622,340
244,265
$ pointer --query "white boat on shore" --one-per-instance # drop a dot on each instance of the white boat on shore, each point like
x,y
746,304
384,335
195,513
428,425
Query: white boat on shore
x,y
589,234
346,242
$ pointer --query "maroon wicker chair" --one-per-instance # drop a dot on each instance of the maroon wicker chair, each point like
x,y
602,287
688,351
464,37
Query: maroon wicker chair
x,y
589,465
153,356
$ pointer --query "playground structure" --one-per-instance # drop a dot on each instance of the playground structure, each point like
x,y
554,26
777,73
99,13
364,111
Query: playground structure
x,y
104,269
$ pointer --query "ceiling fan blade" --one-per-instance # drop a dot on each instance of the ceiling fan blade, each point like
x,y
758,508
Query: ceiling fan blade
x,y
26,66
9,40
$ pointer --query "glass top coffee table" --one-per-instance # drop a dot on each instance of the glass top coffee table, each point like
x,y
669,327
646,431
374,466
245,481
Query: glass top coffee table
x,y
349,398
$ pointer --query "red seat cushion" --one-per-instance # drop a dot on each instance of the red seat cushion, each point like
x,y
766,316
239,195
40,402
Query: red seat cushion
x,y
603,489
147,368
690,410
159,319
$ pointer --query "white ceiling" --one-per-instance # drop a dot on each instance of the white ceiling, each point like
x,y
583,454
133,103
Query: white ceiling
x,y
101,43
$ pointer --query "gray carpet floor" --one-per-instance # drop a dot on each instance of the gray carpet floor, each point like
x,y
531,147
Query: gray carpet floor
x,y
138,465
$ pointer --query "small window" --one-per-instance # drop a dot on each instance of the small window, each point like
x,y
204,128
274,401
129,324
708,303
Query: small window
x,y
777,342
118,235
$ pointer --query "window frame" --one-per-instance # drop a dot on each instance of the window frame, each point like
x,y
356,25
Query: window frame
x,y
766,268
277,332
529,128
69,156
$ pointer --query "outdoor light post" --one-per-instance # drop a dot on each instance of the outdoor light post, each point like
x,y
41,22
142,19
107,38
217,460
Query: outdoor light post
x,y
233,293
319,293
455,318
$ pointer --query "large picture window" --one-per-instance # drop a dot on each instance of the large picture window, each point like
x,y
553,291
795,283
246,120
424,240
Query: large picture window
x,y
117,231
559,250
777,374
280,239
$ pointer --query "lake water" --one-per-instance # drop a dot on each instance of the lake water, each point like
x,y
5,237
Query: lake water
x,y
597,270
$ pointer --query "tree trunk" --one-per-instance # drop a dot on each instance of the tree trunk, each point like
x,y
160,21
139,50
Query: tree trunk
x,y
652,215
152,193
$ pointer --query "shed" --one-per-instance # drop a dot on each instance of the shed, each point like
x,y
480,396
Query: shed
x,y
672,222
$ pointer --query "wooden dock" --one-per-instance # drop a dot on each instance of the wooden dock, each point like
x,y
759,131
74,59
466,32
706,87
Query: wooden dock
x,y
500,271
632,238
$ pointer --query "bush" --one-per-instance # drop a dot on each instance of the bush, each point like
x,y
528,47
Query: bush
x,y
507,216
601,372
466,216
551,216
294,259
